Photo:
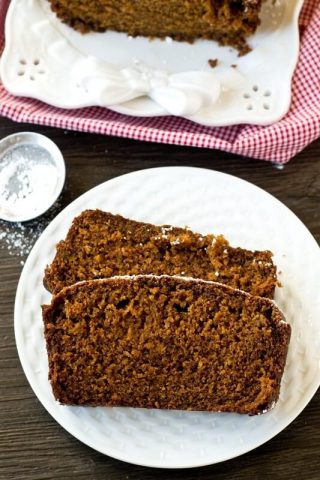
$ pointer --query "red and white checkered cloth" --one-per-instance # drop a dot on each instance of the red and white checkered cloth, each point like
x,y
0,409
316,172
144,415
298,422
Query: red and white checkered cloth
x,y
277,143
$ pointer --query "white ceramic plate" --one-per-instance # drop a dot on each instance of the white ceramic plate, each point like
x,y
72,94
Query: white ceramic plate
x,y
206,201
53,63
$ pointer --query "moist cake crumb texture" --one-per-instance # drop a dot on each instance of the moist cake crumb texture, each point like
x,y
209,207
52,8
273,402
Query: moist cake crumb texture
x,y
165,342
100,245
230,22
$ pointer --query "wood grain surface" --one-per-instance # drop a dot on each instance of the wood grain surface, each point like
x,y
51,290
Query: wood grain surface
x,y
32,445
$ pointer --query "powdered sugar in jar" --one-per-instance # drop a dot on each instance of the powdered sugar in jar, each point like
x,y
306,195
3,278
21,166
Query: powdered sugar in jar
x,y
32,174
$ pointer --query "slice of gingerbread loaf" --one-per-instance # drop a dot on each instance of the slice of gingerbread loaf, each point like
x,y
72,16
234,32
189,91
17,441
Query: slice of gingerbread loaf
x,y
165,342
229,22
100,245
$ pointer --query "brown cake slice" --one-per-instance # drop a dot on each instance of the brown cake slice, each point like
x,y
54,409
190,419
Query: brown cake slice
x,y
100,245
165,342
229,22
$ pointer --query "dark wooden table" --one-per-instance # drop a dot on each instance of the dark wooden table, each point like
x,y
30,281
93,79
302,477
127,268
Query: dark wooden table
x,y
32,445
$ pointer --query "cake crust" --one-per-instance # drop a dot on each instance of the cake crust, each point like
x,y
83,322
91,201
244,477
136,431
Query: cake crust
x,y
165,342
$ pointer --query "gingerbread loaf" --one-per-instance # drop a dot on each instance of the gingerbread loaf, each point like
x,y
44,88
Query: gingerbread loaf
x,y
165,342
230,22
100,245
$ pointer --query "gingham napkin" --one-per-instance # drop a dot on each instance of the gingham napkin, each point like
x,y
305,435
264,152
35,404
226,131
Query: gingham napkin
x,y
277,143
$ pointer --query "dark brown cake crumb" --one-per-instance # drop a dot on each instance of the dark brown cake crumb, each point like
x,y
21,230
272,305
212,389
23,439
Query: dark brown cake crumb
x,y
230,22
213,62
100,245
244,50
165,342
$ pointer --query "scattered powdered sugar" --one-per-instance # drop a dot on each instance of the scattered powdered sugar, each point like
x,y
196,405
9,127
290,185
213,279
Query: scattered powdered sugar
x,y
18,238
165,229
27,178
262,263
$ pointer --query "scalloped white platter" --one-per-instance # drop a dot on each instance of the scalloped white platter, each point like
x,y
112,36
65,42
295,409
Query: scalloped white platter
x,y
206,201
51,62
